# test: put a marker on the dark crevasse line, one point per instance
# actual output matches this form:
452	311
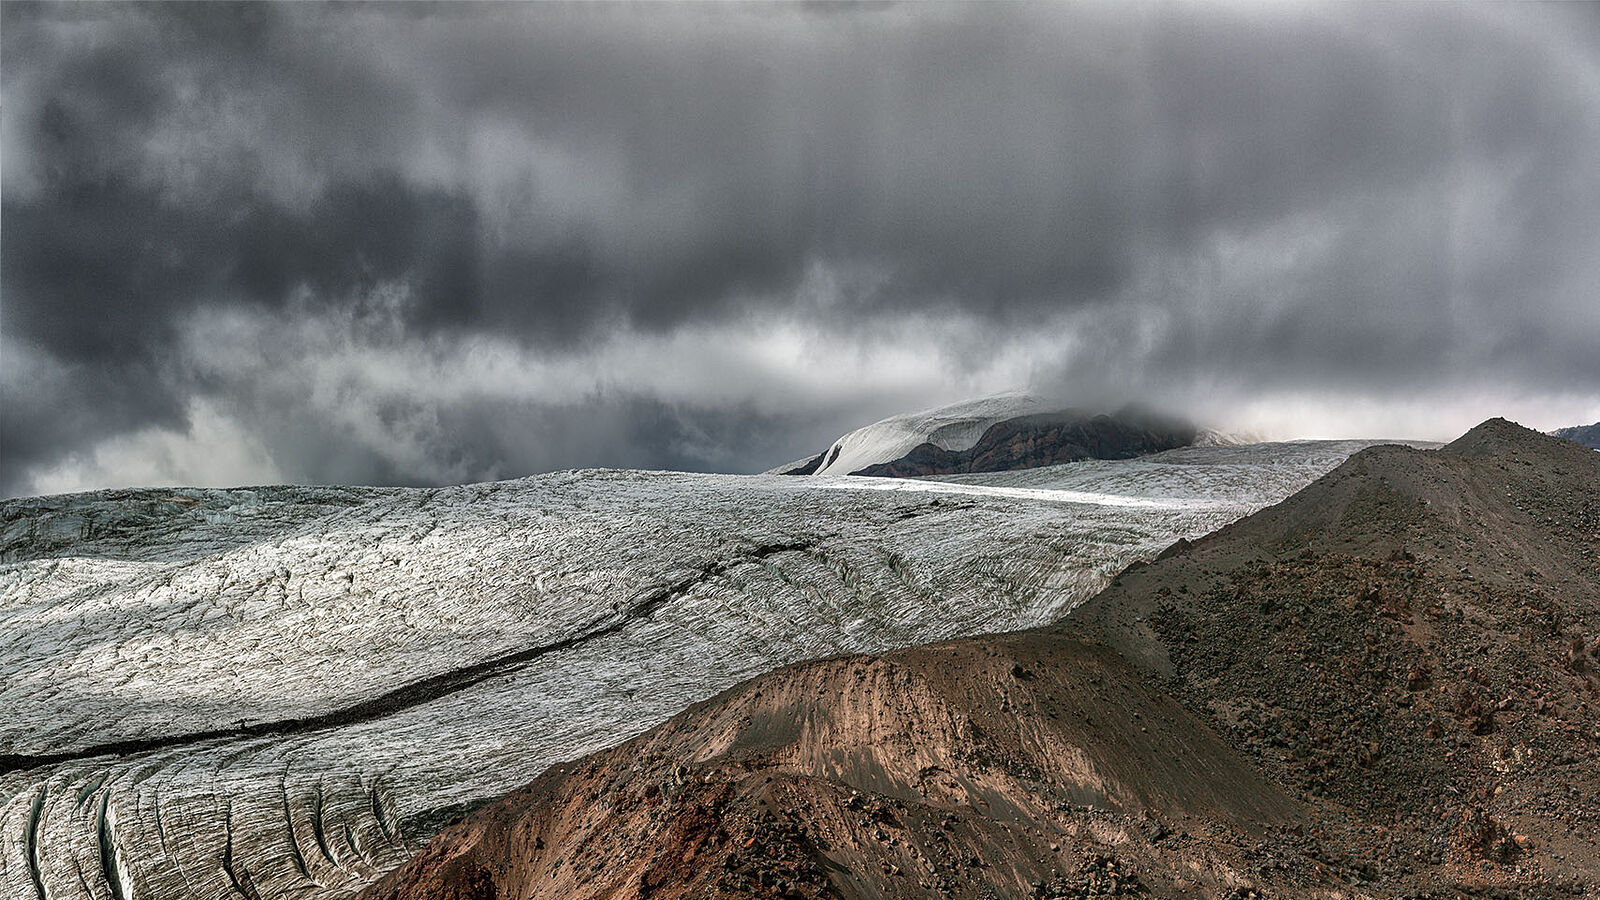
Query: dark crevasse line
83	880
90	788
32	841
355	847
317	832
408	696
295	856
108	848
380	814
161	826
240	879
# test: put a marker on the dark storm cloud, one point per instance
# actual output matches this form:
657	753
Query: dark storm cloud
1336	197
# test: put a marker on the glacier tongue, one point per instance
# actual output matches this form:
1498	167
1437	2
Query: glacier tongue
281	692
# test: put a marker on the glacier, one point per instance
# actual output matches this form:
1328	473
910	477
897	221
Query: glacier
282	692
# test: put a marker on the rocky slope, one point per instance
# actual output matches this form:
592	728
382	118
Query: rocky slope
1382	687
1408	644
1587	435
977	768
282	692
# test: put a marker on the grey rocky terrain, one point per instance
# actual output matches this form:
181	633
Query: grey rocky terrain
1587	435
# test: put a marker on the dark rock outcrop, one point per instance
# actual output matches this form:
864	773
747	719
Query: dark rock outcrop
1028	442
806	468
1587	435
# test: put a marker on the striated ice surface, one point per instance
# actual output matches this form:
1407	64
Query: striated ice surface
282	692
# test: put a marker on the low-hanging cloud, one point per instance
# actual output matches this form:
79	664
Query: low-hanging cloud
419	244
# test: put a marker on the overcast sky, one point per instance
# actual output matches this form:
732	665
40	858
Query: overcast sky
412	244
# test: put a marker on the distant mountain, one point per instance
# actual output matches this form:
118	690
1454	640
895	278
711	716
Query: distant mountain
954	427
993	434
1587	435
1028	442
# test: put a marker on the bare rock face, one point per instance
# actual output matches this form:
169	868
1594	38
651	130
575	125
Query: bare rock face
806	468
1003	433
1587	435
1384	686
1029	442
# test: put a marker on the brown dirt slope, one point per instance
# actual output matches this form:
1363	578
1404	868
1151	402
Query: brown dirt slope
1385	686
976	768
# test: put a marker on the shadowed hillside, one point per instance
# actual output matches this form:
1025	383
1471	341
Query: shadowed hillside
1587	435
1029	442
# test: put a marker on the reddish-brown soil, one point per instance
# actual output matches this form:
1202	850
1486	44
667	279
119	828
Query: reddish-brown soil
1385	686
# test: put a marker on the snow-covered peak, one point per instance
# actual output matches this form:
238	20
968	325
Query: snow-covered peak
954	427
1211	437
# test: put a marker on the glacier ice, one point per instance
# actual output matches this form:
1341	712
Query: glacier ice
281	692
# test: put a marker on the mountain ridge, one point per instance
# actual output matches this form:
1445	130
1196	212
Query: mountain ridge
1587	435
993	434
1044	439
